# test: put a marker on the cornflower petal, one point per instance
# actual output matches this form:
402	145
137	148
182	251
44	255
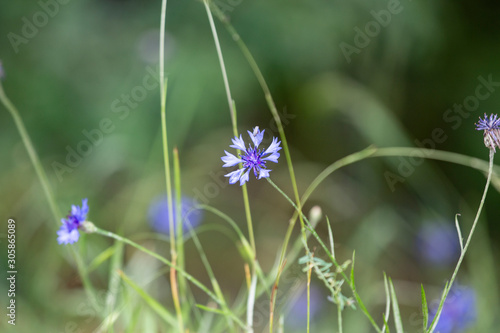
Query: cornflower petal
67	235
274	147
264	173
234	176
256	136
238	143
245	177
230	160
273	157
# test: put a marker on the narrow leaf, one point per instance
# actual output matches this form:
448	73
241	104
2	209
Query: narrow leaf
387	304
153	304
460	239
425	310
395	309
330	236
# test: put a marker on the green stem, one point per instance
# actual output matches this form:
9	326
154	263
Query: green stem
188	276
49	195
232	110
466	246
32	154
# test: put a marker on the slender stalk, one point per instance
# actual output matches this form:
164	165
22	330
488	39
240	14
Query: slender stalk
32	154
163	97
339	318
167	262
180	233
232	111
272	107
372	152
309	273
251	303
466	246
47	189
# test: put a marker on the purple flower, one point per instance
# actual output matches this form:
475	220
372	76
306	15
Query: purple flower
297	316
2	72
158	214
437	244
68	233
491	130
459	311
251	157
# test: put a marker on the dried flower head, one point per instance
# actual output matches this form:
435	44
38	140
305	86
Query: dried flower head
252	158
68	233
490	126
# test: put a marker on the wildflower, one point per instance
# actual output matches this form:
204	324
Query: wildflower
251	157
159	219
491	130
438	244
297	308
459	311
68	233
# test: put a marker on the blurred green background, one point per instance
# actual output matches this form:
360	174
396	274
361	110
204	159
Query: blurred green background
89	62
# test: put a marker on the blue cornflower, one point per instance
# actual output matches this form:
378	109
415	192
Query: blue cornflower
297	315
251	157
68	233
158	214
459	311
437	244
2	73
491	130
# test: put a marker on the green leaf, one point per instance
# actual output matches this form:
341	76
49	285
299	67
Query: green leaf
210	309
388	304
395	308
386	326
460	239
330	236
153	304
101	258
425	310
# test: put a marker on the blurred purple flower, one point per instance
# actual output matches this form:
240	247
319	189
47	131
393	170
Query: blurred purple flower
252	158
459	311
491	130
68	233
297	316
2	72
438	244
158	214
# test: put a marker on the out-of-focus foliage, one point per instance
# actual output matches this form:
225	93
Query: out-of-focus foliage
344	75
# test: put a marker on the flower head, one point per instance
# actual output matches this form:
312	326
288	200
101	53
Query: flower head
297	307
68	233
158	214
459	311
252	158
437	244
490	126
